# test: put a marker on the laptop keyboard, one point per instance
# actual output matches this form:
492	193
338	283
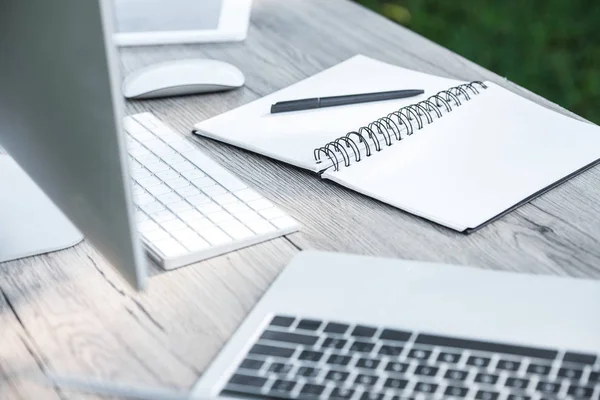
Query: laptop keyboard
296	358
188	207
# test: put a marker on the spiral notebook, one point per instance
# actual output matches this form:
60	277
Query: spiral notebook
461	155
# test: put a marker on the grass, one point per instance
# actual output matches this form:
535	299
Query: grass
551	47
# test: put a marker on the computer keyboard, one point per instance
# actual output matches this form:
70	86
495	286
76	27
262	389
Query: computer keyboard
188	207
302	358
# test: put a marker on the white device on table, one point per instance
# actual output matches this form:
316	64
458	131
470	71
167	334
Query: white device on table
330	326
61	120
150	22
183	77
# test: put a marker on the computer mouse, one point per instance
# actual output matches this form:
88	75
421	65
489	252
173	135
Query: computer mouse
183	77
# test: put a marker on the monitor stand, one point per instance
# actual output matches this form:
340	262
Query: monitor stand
30	223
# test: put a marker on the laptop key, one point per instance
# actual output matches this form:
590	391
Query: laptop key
282	321
391	334
280	368
363	331
361	347
508	365
265	350
309	355
540	369
309	324
311	389
366	379
456	391
307	372
518	397
425	387
394	366
419	354
581	392
251	364
479	361
334	343
283	386
488	379
372	396
389	350
247	380
334	327
570	373
395	383
337	359
341	393
426	370
594	377
288	337
580	358
548	387
449	357
337	376
487	395
367	363
517	383
456	375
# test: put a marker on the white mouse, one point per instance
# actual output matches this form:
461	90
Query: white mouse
177	78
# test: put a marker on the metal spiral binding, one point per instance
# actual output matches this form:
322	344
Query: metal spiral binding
388	127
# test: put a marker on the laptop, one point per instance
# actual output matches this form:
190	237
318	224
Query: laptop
332	326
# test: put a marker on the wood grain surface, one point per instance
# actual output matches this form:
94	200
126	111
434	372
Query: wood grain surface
69	313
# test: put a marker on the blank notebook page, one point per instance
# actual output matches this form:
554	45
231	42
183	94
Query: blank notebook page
291	137
477	161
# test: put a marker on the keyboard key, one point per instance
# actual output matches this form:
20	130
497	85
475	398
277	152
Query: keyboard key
518	397
198	200
272	213
547	387
163	216
148	182
487	395
337	376
341	393
251	364
389	350
248	216
419	354
231	183
190	215
179	206
367	363
247	380
334	343
449	357
212	190
260	227
366	380
168	175
395	383
195	244
174	225
247	195
158	235
157	166
363	331
594	377
309	324
372	396
338	359
488	379
288	337
424	387
581	392
361	347
478	361
540	369
185	235
236	229
260	204
307	372
507	365
273	351
391	334
215	236
219	217
226	198
309	355
570	373
434	340
140	173
158	190
398	367
518	383
456	391
147	226
282	321
334	327
187	191
280	368
456	375
209	208
169	198
426	370
580	358
311	389
282	386
203	181
177	183
193	174
236	208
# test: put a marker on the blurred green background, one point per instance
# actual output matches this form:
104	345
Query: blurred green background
551	47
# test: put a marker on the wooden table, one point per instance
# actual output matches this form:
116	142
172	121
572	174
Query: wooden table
70	313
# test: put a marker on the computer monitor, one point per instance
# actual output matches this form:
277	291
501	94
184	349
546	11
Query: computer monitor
61	116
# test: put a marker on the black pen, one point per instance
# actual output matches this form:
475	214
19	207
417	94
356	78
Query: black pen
319	102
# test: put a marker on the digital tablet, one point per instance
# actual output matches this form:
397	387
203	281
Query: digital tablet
147	22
